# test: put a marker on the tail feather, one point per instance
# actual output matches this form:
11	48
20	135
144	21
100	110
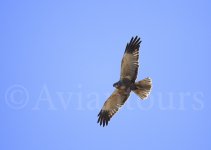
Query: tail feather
143	88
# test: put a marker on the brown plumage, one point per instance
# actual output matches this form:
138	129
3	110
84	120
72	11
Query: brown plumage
129	71
129	65
112	105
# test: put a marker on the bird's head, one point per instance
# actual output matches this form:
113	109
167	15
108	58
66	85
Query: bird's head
116	85
119	85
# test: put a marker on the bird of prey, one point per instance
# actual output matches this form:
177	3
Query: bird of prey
126	84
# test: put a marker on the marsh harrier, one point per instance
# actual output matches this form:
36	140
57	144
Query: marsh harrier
126	84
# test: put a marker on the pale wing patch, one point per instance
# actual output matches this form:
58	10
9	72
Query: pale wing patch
130	65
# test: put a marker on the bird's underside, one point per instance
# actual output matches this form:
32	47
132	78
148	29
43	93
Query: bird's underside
129	71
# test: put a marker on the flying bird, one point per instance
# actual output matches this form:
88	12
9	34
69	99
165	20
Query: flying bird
126	84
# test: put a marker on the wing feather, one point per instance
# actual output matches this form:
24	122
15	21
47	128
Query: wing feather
112	105
129	65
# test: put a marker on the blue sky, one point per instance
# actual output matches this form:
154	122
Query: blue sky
59	59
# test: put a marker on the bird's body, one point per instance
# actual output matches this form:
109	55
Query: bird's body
126	84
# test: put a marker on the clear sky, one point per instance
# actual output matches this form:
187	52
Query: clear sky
59	59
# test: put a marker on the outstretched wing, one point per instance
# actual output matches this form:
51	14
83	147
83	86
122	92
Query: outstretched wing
129	65
112	105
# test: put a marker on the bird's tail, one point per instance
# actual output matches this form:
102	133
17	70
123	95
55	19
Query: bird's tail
143	88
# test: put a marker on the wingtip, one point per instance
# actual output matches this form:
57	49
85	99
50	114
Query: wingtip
133	44
103	118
